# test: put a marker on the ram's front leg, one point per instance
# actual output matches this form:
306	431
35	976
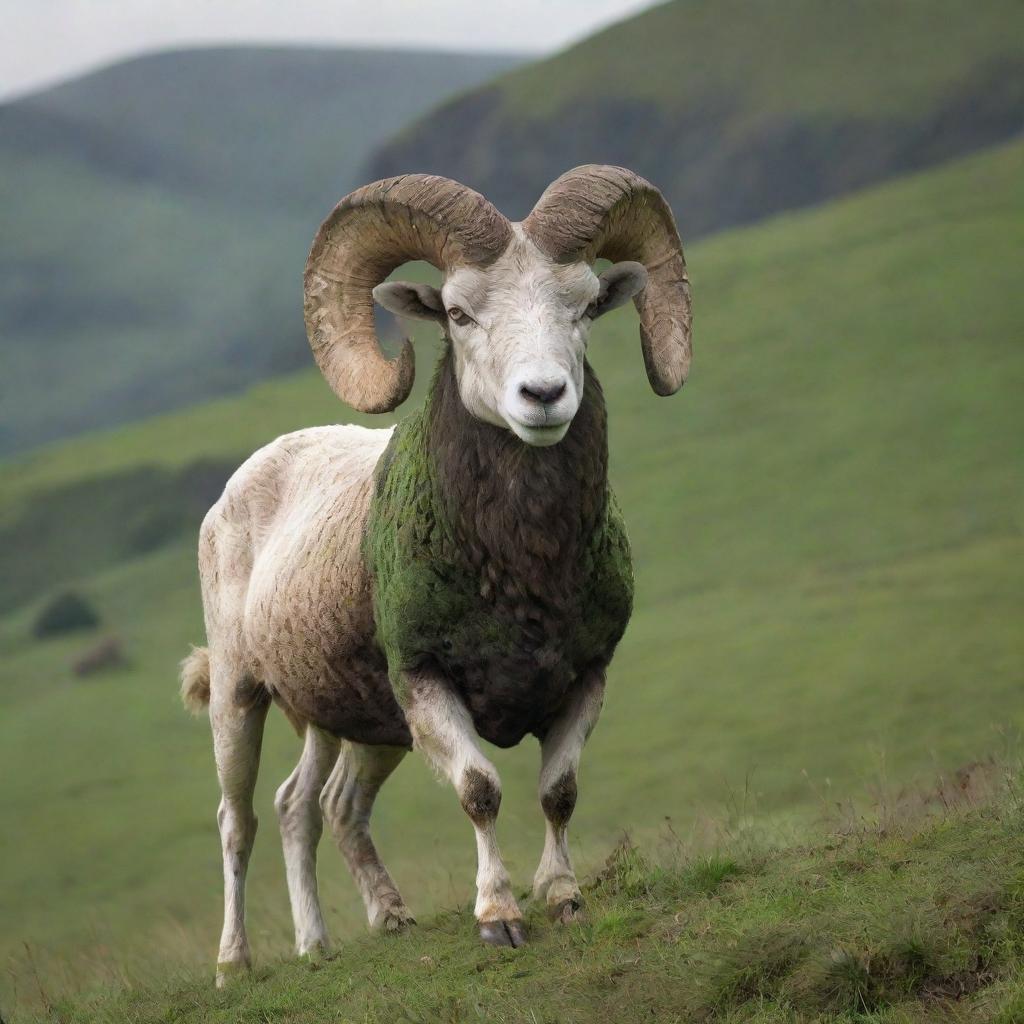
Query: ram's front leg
443	732
555	881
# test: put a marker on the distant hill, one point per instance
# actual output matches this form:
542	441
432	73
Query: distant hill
738	110
281	126
155	216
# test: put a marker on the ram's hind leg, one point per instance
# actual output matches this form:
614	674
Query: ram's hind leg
298	810
238	711
347	802
555	880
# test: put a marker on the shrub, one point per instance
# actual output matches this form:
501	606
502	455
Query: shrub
63	614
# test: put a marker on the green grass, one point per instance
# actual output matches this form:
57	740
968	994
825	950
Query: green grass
827	529
897	921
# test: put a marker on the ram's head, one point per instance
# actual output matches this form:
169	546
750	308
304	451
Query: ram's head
516	300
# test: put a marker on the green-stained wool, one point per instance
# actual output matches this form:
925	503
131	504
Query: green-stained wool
512	597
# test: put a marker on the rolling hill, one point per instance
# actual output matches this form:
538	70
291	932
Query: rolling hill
738	110
155	215
827	530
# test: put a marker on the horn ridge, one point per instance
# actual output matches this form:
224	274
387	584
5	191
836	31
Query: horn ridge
369	233
602	211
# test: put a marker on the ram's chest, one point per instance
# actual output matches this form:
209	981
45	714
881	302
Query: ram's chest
512	645
503	567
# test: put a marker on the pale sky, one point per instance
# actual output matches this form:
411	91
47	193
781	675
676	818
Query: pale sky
44	41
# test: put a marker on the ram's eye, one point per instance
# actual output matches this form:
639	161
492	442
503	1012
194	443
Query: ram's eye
459	316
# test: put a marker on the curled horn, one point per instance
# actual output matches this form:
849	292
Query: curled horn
369	233
599	211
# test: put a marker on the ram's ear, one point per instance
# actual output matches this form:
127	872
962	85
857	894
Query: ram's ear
414	301
619	283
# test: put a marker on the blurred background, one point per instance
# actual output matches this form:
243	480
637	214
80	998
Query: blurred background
827	521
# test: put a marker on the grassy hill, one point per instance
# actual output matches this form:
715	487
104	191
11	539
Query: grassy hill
903	920
738	110
154	217
827	530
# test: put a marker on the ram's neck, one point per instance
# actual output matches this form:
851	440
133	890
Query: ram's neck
520	511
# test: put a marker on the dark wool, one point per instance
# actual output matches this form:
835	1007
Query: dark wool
504	567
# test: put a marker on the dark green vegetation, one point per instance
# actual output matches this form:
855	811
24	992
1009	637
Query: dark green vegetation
827	532
155	216
893	922
66	613
736	109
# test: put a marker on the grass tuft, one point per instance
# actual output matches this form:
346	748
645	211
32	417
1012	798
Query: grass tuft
707	874
752	968
842	980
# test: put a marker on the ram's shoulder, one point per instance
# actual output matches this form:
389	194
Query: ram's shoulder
303	463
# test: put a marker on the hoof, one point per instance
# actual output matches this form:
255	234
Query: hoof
569	911
503	933
229	970
315	952
396	921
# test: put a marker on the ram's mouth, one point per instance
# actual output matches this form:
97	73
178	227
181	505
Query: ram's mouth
540	436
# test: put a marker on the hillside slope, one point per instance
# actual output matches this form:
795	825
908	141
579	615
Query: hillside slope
739	110
891	922
827	531
155	215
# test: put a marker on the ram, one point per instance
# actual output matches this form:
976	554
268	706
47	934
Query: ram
464	574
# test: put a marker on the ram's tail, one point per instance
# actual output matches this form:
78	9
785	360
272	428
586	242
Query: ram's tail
195	681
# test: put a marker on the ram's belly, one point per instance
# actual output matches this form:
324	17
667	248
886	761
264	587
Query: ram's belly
344	690
351	698
314	648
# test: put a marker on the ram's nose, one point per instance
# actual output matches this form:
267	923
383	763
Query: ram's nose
542	392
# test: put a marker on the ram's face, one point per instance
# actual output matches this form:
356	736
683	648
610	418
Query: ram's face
519	331
519	334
